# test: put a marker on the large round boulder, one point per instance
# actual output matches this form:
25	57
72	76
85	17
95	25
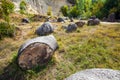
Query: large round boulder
71	27
44	29
96	74
37	51
93	22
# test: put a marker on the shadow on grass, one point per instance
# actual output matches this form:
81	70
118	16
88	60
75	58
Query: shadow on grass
14	72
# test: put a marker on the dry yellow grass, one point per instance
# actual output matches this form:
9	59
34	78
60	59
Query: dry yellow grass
76	51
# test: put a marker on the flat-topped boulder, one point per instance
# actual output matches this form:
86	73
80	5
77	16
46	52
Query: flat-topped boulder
96	74
36	51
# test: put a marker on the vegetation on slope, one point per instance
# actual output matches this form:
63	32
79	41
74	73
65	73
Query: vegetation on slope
87	8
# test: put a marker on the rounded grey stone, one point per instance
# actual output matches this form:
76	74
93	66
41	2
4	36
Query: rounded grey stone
96	74
45	29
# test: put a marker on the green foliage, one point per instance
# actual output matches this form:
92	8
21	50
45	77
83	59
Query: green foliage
23	7
64	10
6	30
6	8
87	8
74	12
49	12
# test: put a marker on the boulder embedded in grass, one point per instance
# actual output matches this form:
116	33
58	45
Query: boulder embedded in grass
25	20
44	29
93	22
37	51
80	23
96	74
60	20
71	27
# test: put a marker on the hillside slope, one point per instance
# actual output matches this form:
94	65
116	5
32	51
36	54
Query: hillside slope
41	6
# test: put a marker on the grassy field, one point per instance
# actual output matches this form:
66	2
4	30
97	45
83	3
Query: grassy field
88	47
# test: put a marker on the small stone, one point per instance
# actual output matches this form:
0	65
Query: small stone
25	20
80	24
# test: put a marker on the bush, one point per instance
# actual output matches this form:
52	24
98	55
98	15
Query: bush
23	7
7	7
6	30
74	12
49	12
64	10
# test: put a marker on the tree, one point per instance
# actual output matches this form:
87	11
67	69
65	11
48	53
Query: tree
64	10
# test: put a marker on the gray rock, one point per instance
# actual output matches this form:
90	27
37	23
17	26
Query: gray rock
60	20
96	74
37	51
71	19
25	20
71	27
80	23
45	29
93	22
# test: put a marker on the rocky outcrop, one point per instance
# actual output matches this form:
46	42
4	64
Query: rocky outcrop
96	74
41	6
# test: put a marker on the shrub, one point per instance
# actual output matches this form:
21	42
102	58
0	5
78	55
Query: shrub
23	7
64	10
6	30
74	12
7	7
49	12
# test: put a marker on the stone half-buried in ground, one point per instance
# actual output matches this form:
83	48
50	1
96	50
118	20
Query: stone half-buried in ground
45	29
37	51
96	74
